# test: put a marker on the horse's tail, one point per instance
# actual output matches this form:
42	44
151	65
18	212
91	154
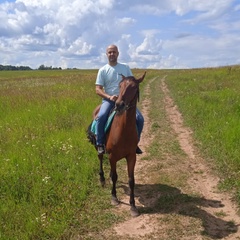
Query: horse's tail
91	136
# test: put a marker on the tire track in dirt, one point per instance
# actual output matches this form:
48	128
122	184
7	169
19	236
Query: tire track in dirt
144	224
201	181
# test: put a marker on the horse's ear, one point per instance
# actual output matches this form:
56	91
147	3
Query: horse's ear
141	78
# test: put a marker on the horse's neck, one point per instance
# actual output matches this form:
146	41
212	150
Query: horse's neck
126	119
123	128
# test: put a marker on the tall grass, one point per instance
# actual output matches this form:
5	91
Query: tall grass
49	171
46	168
210	102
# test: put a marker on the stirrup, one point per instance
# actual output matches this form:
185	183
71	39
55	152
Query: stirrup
101	149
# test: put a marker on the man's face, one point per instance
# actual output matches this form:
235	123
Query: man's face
112	54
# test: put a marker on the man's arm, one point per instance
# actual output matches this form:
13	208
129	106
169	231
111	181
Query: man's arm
100	92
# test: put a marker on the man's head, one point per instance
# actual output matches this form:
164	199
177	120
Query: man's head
112	54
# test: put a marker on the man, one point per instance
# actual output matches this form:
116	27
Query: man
107	87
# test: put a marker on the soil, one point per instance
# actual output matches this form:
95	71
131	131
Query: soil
214	216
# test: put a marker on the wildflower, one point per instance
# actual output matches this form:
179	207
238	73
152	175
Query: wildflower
45	179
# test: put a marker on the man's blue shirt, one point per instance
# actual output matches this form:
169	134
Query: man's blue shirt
110	76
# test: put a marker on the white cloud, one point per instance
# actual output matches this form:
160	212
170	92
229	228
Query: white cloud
126	21
79	48
205	7
73	33
150	45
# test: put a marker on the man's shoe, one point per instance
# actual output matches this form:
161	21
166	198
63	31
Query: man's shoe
101	149
138	150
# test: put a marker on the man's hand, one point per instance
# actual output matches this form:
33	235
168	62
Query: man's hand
113	98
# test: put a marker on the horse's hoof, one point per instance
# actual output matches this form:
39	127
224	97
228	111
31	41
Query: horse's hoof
115	201
134	212
103	183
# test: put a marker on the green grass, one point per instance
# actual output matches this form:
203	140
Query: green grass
210	102
49	171
47	165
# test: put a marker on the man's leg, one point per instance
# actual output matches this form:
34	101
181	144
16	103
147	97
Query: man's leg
140	123
101	122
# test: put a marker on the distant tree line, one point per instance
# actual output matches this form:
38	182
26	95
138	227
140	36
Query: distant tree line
42	67
26	68
13	68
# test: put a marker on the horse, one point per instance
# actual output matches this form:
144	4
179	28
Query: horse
122	138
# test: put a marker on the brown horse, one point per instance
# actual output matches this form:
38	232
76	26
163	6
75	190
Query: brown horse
122	138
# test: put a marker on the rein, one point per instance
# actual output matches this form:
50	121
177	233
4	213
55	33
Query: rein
127	106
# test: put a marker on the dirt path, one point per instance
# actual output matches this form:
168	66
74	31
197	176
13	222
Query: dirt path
200	210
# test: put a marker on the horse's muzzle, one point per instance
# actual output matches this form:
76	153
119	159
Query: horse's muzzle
120	106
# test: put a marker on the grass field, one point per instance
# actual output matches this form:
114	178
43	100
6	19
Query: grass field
49	172
210	102
47	165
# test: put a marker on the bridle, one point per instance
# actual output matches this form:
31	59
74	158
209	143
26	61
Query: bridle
125	107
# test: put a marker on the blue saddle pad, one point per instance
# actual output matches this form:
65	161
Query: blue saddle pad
108	124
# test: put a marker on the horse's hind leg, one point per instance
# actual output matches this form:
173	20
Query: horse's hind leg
114	177
101	172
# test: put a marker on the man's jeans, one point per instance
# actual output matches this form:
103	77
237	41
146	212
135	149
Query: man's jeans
102	117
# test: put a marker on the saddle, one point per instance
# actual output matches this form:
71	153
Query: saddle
91	131
107	126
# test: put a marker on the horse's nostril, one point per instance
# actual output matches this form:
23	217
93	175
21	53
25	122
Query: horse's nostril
120	106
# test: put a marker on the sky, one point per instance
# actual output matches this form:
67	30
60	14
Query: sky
159	34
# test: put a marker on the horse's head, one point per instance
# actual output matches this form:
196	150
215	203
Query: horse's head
129	93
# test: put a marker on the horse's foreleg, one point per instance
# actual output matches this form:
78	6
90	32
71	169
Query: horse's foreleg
131	182
101	172
114	177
